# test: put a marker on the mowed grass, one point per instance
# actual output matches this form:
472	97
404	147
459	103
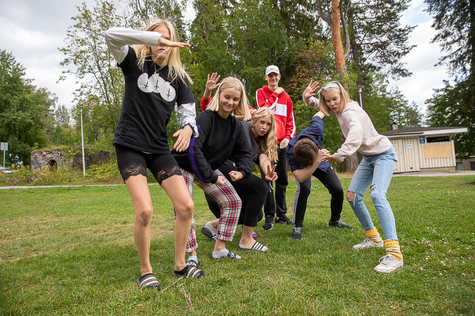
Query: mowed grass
70	251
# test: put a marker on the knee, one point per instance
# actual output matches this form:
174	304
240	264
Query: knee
261	188
230	201
377	195
144	216
339	192
304	190
185	209
282	180
350	196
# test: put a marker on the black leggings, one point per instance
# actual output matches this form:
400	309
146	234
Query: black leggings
278	206
252	192
330	180
132	162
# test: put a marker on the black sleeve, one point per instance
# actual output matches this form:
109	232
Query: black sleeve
242	152
195	154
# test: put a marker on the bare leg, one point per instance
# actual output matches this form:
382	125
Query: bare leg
214	223
219	245
246	238
140	194
176	189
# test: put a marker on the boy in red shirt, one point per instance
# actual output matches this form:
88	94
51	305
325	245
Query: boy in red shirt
274	97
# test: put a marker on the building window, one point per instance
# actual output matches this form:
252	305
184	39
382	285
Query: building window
438	139
472	165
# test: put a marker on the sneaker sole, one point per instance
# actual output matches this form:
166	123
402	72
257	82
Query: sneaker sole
368	247
388	272
208	234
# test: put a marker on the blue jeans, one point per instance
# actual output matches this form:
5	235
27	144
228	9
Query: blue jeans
377	171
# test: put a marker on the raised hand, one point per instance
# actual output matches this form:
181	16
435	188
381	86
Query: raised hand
311	89
212	82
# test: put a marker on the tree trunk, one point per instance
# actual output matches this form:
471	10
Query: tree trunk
336	38
352	162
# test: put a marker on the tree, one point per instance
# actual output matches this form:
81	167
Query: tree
386	106
316	62
450	106
377	37
455	22
145	11
240	38
24	111
332	17
101	81
63	132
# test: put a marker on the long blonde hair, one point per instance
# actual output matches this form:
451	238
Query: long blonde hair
242	108
268	142
175	67
344	97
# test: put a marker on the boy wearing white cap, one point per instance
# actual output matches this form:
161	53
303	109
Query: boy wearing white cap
274	97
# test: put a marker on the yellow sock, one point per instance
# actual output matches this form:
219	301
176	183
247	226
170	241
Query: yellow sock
392	248
373	235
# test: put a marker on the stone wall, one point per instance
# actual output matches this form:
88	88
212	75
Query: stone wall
56	159
53	159
91	159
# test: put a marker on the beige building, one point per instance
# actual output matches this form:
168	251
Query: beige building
424	148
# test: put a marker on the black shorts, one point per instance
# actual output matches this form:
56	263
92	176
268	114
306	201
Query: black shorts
132	162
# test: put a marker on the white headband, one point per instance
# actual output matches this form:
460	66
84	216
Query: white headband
328	86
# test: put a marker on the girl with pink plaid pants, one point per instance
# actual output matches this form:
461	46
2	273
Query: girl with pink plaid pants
221	137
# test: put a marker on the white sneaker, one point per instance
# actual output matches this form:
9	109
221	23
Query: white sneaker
368	243
389	264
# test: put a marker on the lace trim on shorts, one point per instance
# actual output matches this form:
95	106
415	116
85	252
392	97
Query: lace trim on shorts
133	170
167	172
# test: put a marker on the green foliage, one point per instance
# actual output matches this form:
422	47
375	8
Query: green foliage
316	63
453	106
71	251
101	81
145	11
232	38
378	41
240	40
24	111
103	173
455	22
385	107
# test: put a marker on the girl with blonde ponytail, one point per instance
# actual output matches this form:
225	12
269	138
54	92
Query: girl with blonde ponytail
155	82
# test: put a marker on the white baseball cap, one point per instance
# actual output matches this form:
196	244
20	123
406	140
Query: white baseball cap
271	69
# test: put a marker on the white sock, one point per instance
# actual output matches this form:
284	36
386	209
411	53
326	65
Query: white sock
195	258
220	254
211	228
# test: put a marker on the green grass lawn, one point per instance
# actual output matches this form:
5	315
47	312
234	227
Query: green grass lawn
70	251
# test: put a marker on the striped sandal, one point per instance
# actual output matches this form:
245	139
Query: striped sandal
148	281
189	271
257	246
191	262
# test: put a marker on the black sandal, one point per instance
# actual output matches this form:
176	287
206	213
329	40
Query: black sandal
189	271
194	263
148	281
